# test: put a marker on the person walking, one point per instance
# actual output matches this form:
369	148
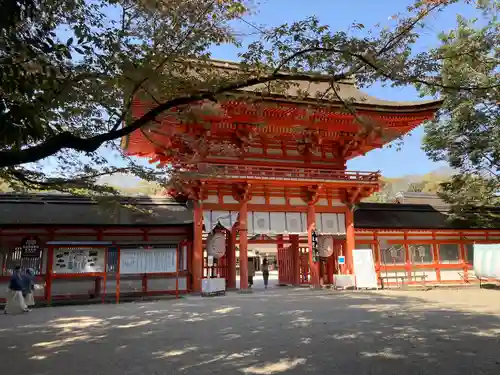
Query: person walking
29	287
265	272
251	271
15	300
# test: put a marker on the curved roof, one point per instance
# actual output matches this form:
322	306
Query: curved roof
347	91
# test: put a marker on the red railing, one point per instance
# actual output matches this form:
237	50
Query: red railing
215	171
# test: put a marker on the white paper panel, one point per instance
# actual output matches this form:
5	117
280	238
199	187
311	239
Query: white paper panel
207	221
295	224
303	217
226	218
278	222
329	223
250	223
341	223
139	261
261	224
318	225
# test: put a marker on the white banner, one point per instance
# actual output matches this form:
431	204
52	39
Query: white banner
487	261
364	268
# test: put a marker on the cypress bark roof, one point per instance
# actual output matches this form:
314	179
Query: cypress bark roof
61	209
406	216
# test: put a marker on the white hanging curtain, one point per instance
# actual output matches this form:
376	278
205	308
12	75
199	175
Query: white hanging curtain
271	223
226	218
327	223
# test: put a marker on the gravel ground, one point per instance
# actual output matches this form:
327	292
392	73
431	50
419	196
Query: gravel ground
284	331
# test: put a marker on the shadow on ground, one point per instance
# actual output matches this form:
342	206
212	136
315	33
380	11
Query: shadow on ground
280	332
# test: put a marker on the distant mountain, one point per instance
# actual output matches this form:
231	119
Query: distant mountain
429	183
120	180
426	183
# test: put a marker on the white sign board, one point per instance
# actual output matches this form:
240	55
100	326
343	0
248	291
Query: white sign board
78	260
215	285
156	260
343	281
487	261
364	268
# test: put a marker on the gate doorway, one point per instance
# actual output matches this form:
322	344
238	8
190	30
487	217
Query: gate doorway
304	268
286	266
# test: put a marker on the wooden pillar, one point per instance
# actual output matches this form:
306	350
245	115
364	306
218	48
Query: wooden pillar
463	258
49	275
231	258
118	274
330	268
349	240
280	243
243	244
311	222
294	239
408	256
377	255
197	260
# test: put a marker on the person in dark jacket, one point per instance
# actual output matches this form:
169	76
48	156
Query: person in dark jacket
265	272
29	287
15	300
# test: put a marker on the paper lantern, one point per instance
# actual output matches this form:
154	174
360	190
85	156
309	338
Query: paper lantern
325	246
216	244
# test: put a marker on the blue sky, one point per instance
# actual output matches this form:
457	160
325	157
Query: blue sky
339	15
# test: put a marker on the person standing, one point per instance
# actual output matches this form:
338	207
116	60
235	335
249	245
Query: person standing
15	300
265	272
29	285
251	271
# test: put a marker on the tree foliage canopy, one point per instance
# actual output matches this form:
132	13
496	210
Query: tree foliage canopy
70	68
466	132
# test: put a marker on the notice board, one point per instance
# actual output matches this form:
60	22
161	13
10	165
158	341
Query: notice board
140	261
364	268
78	260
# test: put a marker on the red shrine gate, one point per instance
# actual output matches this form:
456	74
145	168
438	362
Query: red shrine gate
287	176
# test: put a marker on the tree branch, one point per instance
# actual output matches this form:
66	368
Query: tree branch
67	140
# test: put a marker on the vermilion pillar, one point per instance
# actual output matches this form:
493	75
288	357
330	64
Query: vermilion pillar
311	222
330	268
231	259
349	241
197	260
294	239
243	244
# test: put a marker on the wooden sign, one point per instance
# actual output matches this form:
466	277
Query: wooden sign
31	247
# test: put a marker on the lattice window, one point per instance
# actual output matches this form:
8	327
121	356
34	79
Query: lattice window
421	253
449	253
393	254
12	259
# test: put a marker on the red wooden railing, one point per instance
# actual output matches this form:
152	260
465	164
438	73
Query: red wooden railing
282	172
